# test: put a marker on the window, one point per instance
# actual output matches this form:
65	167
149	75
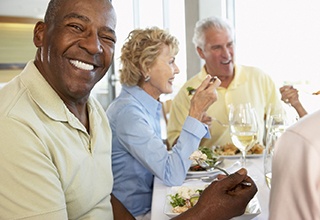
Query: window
165	14
282	38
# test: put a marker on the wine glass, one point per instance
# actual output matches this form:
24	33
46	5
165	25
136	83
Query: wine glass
277	125
243	128
281	113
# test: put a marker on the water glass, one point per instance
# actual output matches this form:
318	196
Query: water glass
277	126
268	154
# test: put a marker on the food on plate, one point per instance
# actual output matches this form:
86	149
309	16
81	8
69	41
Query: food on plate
316	93
184	198
196	167
227	149
230	149
256	149
207	151
203	153
198	155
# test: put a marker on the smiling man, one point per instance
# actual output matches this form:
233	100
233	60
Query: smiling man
214	42
55	140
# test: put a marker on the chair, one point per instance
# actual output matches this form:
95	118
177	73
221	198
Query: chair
166	105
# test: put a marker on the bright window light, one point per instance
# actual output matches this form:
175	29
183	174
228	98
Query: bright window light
282	38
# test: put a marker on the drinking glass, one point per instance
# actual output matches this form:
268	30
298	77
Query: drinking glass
267	158
243	128
282	113
277	125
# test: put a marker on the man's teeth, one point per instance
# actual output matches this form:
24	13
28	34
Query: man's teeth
81	65
226	62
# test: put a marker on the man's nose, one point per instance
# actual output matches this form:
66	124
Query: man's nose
92	44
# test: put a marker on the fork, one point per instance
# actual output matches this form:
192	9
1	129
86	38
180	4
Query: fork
219	122
206	166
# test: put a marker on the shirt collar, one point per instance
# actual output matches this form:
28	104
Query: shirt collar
239	77
147	101
46	98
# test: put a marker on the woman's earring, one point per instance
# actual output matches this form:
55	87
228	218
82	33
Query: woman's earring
147	78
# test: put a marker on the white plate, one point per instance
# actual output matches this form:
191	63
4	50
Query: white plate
239	155
253	208
226	164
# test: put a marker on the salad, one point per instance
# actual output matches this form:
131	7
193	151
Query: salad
184	198
203	153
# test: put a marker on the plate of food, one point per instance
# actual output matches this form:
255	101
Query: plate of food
181	198
225	164
207	155
229	150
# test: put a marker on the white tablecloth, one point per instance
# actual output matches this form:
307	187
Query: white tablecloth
255	168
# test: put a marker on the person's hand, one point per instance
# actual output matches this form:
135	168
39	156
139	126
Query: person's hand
227	197
290	96
206	119
204	96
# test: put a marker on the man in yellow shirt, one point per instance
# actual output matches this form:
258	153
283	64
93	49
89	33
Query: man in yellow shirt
214	41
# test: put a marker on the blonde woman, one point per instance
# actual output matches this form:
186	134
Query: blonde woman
138	152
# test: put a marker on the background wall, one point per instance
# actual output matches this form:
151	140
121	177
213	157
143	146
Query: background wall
16	48
195	10
16	42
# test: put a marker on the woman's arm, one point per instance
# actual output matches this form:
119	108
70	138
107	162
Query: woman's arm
290	96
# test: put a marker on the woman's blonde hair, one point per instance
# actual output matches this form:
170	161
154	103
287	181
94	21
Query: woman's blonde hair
140	51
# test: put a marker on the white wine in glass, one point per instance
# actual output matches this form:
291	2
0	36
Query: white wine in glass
243	128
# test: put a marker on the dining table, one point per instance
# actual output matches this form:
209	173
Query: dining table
255	167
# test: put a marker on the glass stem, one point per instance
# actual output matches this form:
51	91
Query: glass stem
243	158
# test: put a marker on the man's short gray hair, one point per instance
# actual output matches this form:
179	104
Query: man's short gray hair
207	23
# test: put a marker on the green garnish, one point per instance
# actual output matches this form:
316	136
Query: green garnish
207	151
194	200
191	90
176	200
211	156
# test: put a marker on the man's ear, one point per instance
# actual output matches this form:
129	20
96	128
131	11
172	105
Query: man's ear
38	33
200	52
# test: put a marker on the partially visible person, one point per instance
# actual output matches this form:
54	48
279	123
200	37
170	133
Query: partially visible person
55	140
290	95
138	152
214	42
295	191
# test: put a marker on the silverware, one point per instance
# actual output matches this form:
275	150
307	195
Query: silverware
192	91
219	122
208	167
208	179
